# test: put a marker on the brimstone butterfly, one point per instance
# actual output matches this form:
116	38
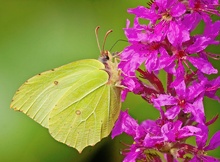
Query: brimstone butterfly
78	102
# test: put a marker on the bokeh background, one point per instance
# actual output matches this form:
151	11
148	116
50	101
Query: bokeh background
38	35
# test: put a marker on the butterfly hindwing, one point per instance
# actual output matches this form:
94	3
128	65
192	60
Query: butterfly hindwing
88	118
79	125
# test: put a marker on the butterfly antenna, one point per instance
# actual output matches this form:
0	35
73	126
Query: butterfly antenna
106	35
122	40
97	39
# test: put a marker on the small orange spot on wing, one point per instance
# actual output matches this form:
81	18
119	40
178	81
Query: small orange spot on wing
78	112
56	82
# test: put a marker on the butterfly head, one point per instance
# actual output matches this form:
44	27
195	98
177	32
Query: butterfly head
111	67
105	57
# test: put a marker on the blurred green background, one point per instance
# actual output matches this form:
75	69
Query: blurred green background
38	35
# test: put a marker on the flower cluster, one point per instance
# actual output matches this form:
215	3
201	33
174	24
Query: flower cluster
167	43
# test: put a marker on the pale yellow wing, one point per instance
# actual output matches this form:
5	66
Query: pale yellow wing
83	122
39	95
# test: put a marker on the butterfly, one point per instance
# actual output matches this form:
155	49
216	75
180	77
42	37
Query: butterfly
78	102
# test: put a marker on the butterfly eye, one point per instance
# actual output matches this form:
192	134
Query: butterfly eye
104	58
107	57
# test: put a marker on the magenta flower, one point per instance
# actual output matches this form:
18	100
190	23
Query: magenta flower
168	13
200	151
125	124
187	99
211	86
156	53
152	135
167	43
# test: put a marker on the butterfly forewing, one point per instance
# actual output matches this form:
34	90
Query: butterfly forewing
39	95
